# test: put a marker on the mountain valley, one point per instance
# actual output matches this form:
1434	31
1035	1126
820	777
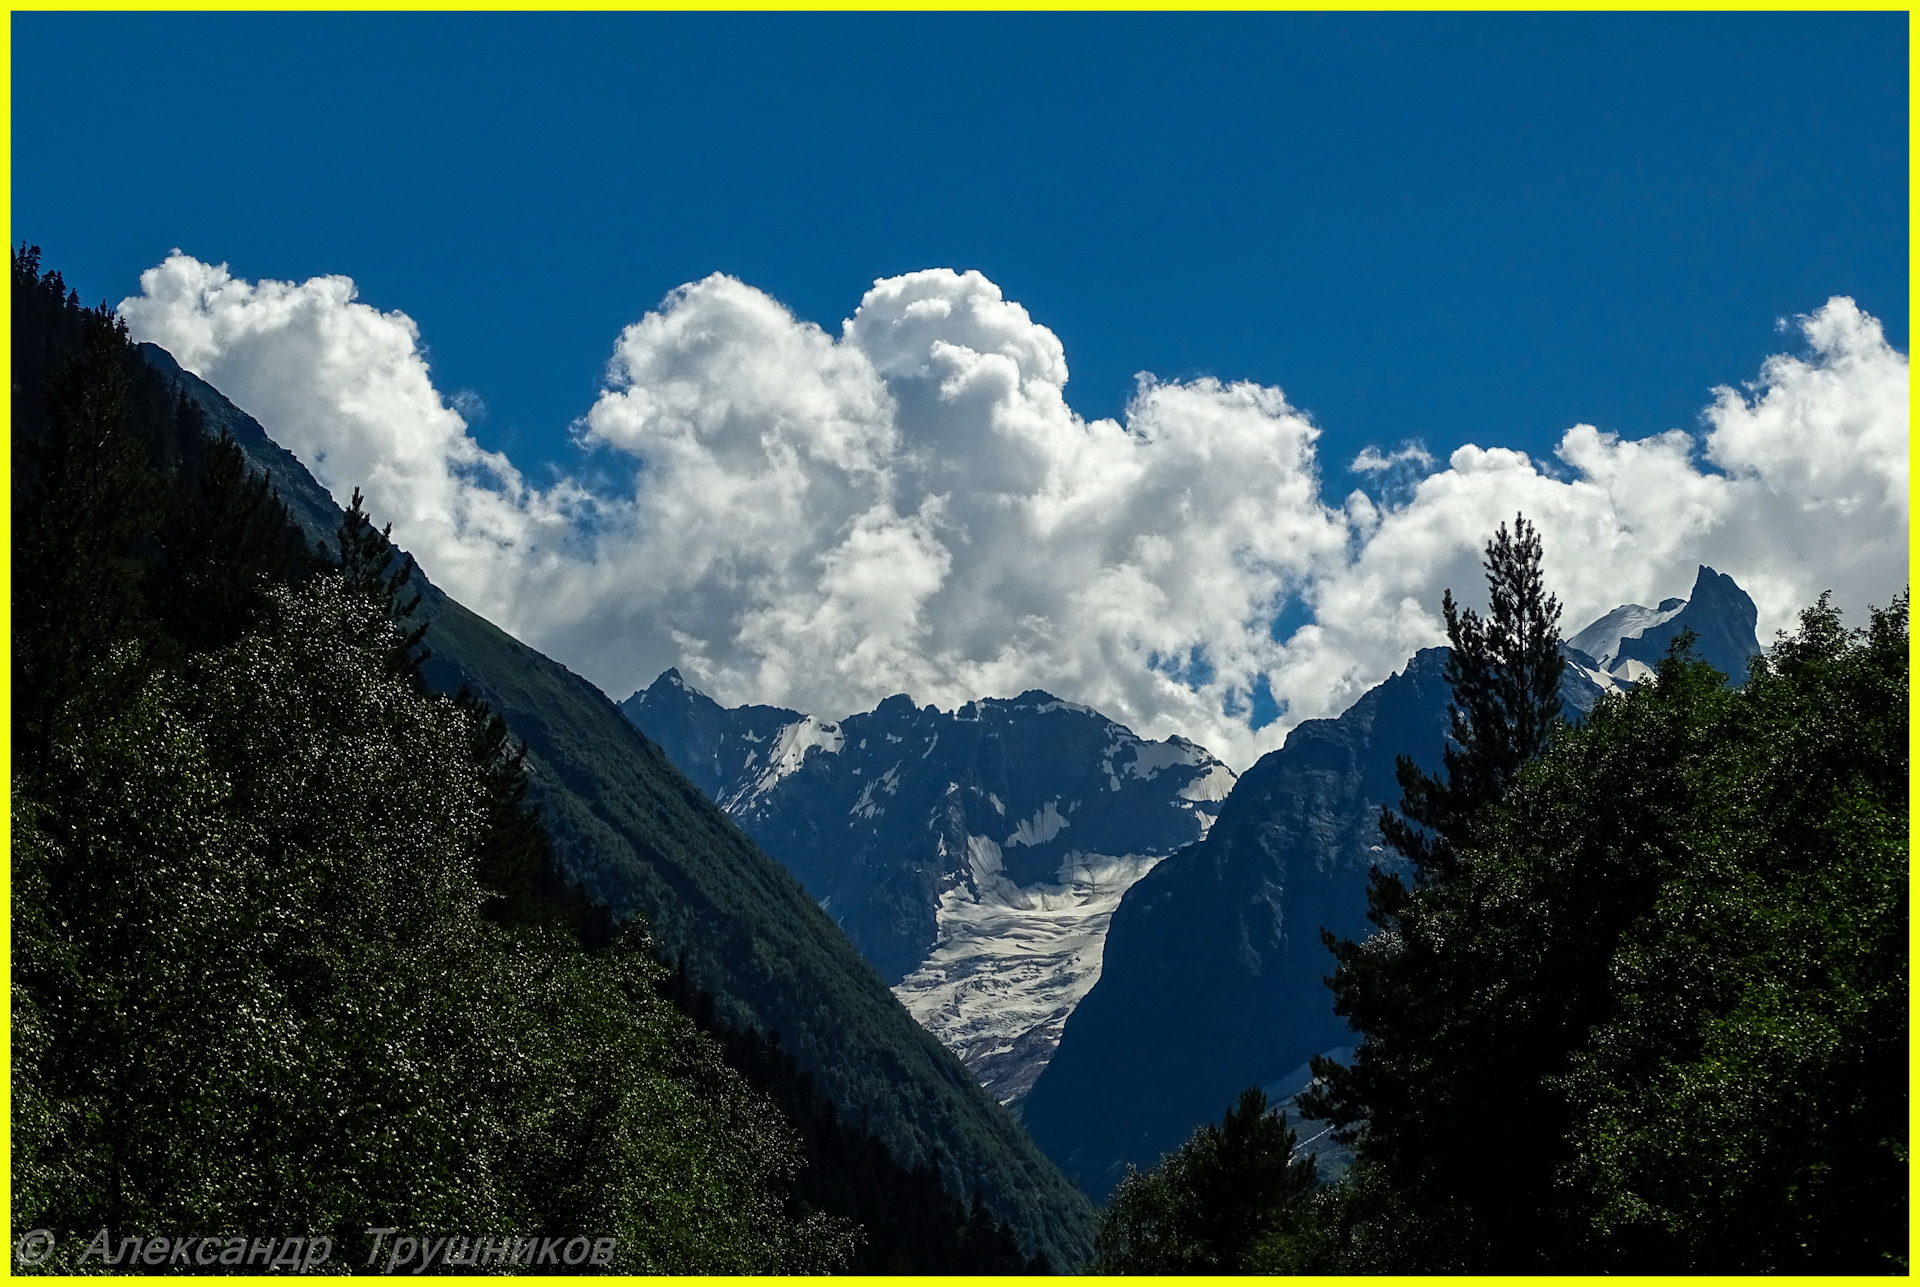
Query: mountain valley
636	836
975	856
1110	934
1114	935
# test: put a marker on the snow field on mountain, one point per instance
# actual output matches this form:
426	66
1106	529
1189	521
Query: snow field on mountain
1011	962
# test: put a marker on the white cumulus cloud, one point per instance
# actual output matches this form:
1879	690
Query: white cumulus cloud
911	505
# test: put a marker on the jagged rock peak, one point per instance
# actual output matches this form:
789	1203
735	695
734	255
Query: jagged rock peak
1626	645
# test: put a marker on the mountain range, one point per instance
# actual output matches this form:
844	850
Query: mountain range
1108	944
975	856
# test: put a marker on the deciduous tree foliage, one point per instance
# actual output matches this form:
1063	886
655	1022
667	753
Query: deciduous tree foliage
259	982
1740	1104
1651	1017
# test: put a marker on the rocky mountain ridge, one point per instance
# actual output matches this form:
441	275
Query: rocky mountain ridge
974	856
1626	645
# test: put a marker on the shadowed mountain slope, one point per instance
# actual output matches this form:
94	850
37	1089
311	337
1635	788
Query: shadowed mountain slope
1214	961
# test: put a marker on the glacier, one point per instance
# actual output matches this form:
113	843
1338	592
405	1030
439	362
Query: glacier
1011	961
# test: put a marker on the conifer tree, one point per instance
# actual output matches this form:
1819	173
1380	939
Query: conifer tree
225	537
83	496
372	567
1431	1070
1224	1202
1505	675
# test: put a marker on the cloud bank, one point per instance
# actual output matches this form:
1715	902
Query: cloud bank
820	521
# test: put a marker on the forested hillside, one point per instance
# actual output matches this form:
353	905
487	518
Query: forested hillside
281	960
262	871
641	838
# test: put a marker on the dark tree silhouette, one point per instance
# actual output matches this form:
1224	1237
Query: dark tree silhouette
1225	1202
1424	1080
1505	675
373	567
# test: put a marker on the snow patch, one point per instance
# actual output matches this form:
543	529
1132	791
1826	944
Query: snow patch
1075	707
1213	785
866	806
1601	640
1040	828
1635	671
1117	738
1605	682
1149	758
789	751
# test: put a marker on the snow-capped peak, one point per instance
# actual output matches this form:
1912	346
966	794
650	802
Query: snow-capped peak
1601	640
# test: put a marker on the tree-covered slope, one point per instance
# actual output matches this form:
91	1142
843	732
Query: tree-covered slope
635	833
276	965
1671	958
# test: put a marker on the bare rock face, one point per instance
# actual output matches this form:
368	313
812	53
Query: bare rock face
975	856
1214	970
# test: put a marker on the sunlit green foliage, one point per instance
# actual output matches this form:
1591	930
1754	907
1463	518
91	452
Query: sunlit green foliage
256	989
1656	1019
259	984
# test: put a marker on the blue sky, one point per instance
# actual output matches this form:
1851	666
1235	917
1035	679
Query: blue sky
1424	228
1447	227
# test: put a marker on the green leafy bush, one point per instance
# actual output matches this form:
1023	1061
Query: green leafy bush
254	989
1654	1018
